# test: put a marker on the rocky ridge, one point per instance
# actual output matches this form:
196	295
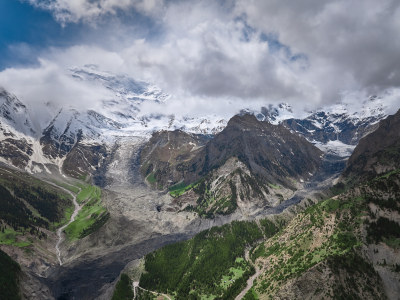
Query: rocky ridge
248	163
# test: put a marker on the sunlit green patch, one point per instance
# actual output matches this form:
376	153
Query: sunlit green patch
11	237
91	216
179	189
88	192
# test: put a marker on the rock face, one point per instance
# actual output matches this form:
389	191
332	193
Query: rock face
344	122
339	122
229	188
85	160
66	134
268	151
16	151
345	247
324	127
164	159
249	163
377	153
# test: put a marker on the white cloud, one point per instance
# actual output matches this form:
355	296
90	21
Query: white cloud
213	57
66	11
206	54
351	45
48	87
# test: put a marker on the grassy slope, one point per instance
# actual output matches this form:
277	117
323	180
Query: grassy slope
70	187
179	189
28	204
92	215
88	192
9	236
328	237
328	229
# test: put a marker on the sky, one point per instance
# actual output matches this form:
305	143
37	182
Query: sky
210	56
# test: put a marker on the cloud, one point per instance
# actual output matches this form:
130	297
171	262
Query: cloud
216	55
48	88
351	44
226	55
66	11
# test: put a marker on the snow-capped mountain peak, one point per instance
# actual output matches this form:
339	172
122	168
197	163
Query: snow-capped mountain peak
275	113
15	115
122	86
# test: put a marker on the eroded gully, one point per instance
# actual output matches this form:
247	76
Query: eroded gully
60	230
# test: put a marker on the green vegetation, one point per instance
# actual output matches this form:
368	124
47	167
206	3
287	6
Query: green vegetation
392	242
388	174
251	295
221	199
88	192
270	228
338	188
274	186
359	276
322	231
179	189
210	203
210	265
123	289
389	204
389	155
151	178
379	228
83	177
9	236
9	278
67	216
27	205
145	295
383	230
326	235
70	187
234	273
92	215
328	232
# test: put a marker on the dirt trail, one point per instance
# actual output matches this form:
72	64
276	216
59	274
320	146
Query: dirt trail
135	285
250	281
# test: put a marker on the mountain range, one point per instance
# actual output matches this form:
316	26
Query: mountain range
270	203
38	144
